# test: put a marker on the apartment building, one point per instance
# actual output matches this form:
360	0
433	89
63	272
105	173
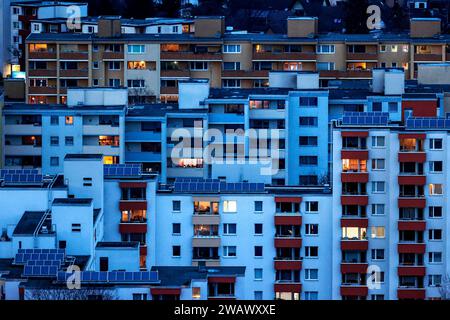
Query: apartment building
40	136
152	65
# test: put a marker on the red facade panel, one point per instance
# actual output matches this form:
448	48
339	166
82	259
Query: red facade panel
419	157
354	291
361	245
132	205
412	136
165	291
361	134
411	203
416	294
288	243
288	287
133	228
362	154
355	200
355	177
412	225
412	180
411	248
133	184
288	265
420	108
349	222
288	199
354	267
412	271
221	279
288	220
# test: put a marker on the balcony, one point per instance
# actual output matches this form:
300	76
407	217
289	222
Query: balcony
220	118
412	247
356	222
284	56
79	73
132	227
288	242
175	74
23	150
190	56
354	290
42	90
287	287
111	56
169	90
244	74
417	180
411	202
411	293
287	264
22	129
126	205
419	157
412	225
359	200
42	55
347	267
356	245
142	156
362	56
288	220
74	56
101	130
351	74
42	73
427	57
105	150
142	136
359	154
360	177
205	241
411	270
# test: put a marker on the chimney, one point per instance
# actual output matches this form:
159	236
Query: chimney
283	79
209	27
425	27
302	27
109	26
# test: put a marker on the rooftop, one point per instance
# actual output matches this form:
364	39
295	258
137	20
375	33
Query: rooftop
73	156
29	223
118	244
72	202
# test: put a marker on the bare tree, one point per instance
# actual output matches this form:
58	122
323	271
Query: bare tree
444	288
138	95
74	294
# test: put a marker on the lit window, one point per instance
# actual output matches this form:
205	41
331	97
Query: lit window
69	120
137	65
394	48
436	189
377	232
229	206
196	293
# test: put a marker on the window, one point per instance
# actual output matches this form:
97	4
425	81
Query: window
308	180
114	83
176	205
378	164
69	120
405	48
308	141
311	295
311	274
326	48
378	187
232	48
383	48
54	141
68	141
377	107
258	228
378	209
95	65
231	66
436	166
325	66
258	251
258	206
377	297
95	48
377	254
311	251
436	189
229	206
176	251
136	83
139	296
308	101
196	293
54	120
435	144
258	273
311	229
377	232
308	160
176	228
435	234
308	121
377	277
76	227
258	295
311	206
103	263
199	65
393	107
435	212
229	228
435	257
95	82
54	161
114	65
231	83
229	251
136	48
434	280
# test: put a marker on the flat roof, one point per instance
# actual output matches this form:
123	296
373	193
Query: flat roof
118	244
29	223
72	201
87	156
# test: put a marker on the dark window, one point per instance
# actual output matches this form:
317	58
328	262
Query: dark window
258	251
103	263
176	251
176	228
258	228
